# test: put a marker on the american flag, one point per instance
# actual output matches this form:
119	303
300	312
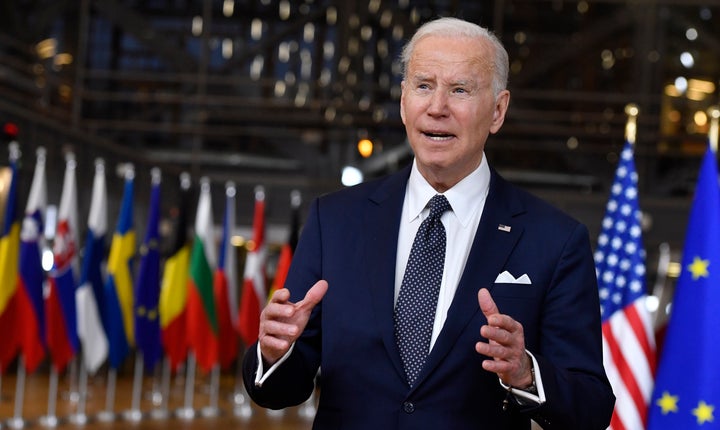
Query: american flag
628	337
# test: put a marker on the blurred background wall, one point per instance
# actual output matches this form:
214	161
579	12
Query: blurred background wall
278	93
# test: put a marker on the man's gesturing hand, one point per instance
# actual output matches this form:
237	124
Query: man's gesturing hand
506	345
282	322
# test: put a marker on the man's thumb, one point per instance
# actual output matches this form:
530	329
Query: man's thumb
487	304
315	294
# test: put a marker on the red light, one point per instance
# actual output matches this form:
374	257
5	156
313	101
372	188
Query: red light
11	129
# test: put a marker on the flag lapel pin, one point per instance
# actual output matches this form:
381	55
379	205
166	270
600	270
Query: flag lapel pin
505	228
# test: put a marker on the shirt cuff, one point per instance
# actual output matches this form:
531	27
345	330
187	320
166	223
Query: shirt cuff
260	374
526	397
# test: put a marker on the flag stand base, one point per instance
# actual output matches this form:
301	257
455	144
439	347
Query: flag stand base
132	415
159	414
106	416
79	419
186	413
47	421
16	423
210	412
242	411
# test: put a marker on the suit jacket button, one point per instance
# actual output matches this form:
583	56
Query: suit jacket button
409	407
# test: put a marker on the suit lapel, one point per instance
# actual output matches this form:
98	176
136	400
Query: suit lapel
490	249
382	222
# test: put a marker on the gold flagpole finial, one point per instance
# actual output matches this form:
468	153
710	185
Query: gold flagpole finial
714	114
632	112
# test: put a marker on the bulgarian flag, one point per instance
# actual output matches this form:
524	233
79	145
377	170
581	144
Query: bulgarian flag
254	293
174	286
202	329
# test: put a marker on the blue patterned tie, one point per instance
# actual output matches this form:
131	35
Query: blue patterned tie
417	301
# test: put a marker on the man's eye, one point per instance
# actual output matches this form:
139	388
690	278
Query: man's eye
460	90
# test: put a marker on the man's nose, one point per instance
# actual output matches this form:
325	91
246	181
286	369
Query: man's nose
438	103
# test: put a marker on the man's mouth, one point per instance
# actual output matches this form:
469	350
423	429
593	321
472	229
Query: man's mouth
438	135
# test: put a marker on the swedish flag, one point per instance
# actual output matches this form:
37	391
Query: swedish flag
119	286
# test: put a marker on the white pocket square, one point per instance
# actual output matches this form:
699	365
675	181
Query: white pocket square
507	278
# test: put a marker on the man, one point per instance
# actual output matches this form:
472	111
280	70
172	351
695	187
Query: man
515	331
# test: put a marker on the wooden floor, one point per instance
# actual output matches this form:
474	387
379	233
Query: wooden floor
231	411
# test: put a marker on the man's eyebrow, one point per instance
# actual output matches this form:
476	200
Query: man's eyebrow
466	83
420	77
461	82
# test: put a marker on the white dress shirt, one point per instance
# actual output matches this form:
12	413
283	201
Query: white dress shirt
467	199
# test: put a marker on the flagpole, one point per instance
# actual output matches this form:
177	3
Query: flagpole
187	412
212	409
714	114
134	413
162	412
17	421
632	112
242	407
74	394
80	418
50	420
108	415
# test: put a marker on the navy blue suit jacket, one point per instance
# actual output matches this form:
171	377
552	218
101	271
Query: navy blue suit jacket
350	240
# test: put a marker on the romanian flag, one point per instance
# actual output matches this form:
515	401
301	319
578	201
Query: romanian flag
31	314
288	248
147	294
119	287
226	283
174	288
202	329
254	293
9	253
90	292
61	321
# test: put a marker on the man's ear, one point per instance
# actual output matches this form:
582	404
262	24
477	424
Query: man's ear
502	101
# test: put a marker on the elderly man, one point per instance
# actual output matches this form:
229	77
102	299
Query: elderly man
441	296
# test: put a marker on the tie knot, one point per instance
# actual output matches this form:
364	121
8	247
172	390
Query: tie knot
438	205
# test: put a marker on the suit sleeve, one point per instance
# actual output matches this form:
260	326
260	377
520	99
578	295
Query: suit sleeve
578	393
294	380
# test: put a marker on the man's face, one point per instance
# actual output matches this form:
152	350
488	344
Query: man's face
448	106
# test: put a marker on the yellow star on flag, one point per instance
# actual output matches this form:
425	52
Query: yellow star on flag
703	412
698	268
667	403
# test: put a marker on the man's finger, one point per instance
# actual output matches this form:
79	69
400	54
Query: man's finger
281	295
487	304
314	295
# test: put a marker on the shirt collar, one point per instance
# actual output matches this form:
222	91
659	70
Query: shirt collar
466	197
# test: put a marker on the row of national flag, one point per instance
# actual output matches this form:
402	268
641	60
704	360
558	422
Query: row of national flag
681	390
99	303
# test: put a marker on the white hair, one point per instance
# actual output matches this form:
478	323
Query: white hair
454	27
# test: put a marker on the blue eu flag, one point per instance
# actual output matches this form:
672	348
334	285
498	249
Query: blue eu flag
147	285
687	386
